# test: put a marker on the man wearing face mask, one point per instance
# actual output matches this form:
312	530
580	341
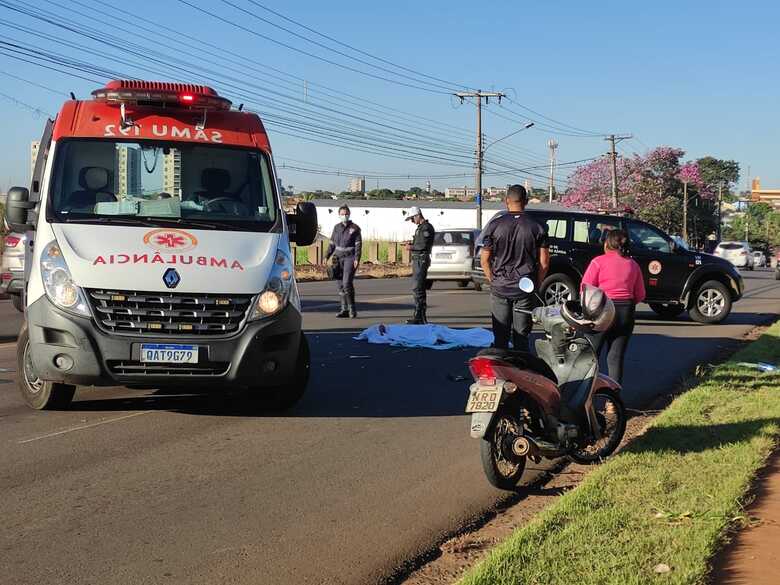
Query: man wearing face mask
346	244
420	247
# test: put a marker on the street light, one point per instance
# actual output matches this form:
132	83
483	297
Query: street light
479	167
526	127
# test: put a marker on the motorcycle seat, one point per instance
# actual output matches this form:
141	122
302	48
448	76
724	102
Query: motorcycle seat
521	359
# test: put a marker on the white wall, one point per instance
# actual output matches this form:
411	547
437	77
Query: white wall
387	223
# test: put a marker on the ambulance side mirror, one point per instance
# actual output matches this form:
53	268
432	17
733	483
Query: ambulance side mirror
303	224
17	210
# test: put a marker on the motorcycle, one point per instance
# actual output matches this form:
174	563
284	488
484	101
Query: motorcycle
552	404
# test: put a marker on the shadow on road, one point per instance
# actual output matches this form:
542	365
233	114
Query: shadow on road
365	306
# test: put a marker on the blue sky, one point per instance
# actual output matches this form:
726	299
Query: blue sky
701	76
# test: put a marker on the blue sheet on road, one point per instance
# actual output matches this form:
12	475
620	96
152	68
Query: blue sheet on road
430	336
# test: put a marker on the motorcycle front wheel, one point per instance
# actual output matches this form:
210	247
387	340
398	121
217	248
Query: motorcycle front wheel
502	468
611	414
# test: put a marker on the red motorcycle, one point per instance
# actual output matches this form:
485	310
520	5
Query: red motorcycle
554	405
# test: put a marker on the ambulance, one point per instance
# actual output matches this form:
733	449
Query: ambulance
158	252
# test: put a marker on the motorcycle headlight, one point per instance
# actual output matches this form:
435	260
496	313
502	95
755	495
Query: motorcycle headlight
279	291
58	284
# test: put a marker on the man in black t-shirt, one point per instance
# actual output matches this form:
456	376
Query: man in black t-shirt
514	246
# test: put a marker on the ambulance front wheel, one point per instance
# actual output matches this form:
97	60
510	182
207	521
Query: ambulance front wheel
36	393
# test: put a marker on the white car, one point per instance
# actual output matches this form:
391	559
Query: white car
452	256
738	253
12	268
759	259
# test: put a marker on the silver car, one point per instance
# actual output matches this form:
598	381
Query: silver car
759	259
12	268
738	253
452	256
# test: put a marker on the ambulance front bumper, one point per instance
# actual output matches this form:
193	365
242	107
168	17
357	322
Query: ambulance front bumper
71	349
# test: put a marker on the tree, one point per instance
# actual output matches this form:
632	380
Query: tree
762	223
652	186
715	171
384	194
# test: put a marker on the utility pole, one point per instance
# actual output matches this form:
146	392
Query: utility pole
479	95
685	213
553	146
613	140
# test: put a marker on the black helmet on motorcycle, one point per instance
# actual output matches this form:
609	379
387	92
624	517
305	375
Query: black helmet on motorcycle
593	312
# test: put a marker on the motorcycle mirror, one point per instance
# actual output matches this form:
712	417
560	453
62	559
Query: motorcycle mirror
526	285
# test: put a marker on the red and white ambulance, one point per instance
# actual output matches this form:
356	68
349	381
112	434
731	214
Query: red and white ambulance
158	250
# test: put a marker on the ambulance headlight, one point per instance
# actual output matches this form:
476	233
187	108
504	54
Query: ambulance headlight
280	290
58	283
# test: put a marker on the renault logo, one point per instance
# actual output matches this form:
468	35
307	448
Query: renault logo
171	278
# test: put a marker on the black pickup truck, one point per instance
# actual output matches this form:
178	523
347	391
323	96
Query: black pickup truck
676	278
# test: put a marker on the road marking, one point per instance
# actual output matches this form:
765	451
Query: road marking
81	428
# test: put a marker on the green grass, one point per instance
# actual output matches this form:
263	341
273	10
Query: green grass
668	498
302	253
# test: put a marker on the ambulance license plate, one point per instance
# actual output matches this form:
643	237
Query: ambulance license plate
484	399
169	353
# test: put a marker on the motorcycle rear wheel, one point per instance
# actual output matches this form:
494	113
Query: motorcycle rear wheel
502	470
611	414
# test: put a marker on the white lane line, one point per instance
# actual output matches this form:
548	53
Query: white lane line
82	427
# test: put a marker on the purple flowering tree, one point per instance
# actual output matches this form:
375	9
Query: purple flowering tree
649	184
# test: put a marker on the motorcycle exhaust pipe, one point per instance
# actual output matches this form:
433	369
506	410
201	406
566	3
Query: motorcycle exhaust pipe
521	446
536	447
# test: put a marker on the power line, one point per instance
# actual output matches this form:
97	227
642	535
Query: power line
326	47
343	44
38	111
307	53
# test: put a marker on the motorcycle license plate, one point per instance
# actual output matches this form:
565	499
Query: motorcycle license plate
484	399
169	353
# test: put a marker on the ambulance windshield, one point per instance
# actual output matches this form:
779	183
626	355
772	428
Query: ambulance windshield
199	185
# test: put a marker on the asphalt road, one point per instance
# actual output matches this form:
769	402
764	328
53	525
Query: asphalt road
373	467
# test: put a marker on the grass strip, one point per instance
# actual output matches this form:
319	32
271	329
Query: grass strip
667	499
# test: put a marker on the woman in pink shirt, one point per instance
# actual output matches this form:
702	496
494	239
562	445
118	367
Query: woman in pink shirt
621	280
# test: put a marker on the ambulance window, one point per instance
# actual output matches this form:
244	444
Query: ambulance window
162	180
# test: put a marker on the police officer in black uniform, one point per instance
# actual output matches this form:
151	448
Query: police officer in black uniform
346	244
420	247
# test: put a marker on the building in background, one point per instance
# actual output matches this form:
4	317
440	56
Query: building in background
460	193
128	171
172	172
357	185
34	146
759	195
470	192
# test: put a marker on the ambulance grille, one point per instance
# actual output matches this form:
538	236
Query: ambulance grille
127	368
168	314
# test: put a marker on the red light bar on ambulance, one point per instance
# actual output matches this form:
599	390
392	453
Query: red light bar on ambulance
152	93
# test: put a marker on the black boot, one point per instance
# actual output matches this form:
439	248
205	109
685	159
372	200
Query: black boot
351	305
344	313
418	318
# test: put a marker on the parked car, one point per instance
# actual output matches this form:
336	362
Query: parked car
738	253
452	256
12	268
677	279
759	259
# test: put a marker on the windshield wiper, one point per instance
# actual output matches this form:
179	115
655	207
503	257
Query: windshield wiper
115	219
